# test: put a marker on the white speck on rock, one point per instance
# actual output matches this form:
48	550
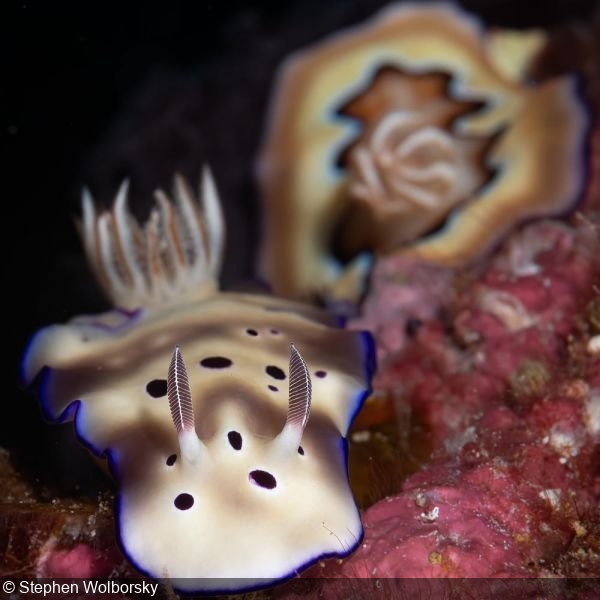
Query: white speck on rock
592	413
507	308
564	442
593	345
431	516
552	496
455	444
361	436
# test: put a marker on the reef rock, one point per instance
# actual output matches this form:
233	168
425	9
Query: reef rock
502	367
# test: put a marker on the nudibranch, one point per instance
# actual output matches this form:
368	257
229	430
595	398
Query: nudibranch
222	415
416	132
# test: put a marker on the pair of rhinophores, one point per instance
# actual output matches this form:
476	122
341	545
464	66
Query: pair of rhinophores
224	482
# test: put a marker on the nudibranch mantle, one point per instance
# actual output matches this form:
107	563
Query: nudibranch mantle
239	495
464	160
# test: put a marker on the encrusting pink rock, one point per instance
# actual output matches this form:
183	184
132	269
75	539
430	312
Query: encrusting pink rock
505	333
503	380
404	292
503	506
81	561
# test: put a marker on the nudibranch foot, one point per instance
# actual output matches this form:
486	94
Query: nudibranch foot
224	482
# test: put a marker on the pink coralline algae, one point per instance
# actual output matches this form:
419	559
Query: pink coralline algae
499	367
80	561
503	333
61	539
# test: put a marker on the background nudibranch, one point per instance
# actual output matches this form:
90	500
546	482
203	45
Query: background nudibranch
231	466
415	131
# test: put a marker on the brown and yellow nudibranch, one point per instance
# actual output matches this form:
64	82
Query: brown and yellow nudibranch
231	466
415	132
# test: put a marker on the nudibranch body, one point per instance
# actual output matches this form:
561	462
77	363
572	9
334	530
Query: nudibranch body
416	132
231	466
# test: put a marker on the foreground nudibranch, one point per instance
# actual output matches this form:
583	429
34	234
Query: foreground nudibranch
415	132
223	416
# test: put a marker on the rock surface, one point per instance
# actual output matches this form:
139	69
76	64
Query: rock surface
505	375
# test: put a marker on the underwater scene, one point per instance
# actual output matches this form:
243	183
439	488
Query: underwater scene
307	301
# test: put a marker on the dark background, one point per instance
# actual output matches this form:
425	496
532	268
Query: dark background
93	92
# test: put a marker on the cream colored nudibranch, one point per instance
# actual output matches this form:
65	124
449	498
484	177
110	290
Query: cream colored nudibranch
231	466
